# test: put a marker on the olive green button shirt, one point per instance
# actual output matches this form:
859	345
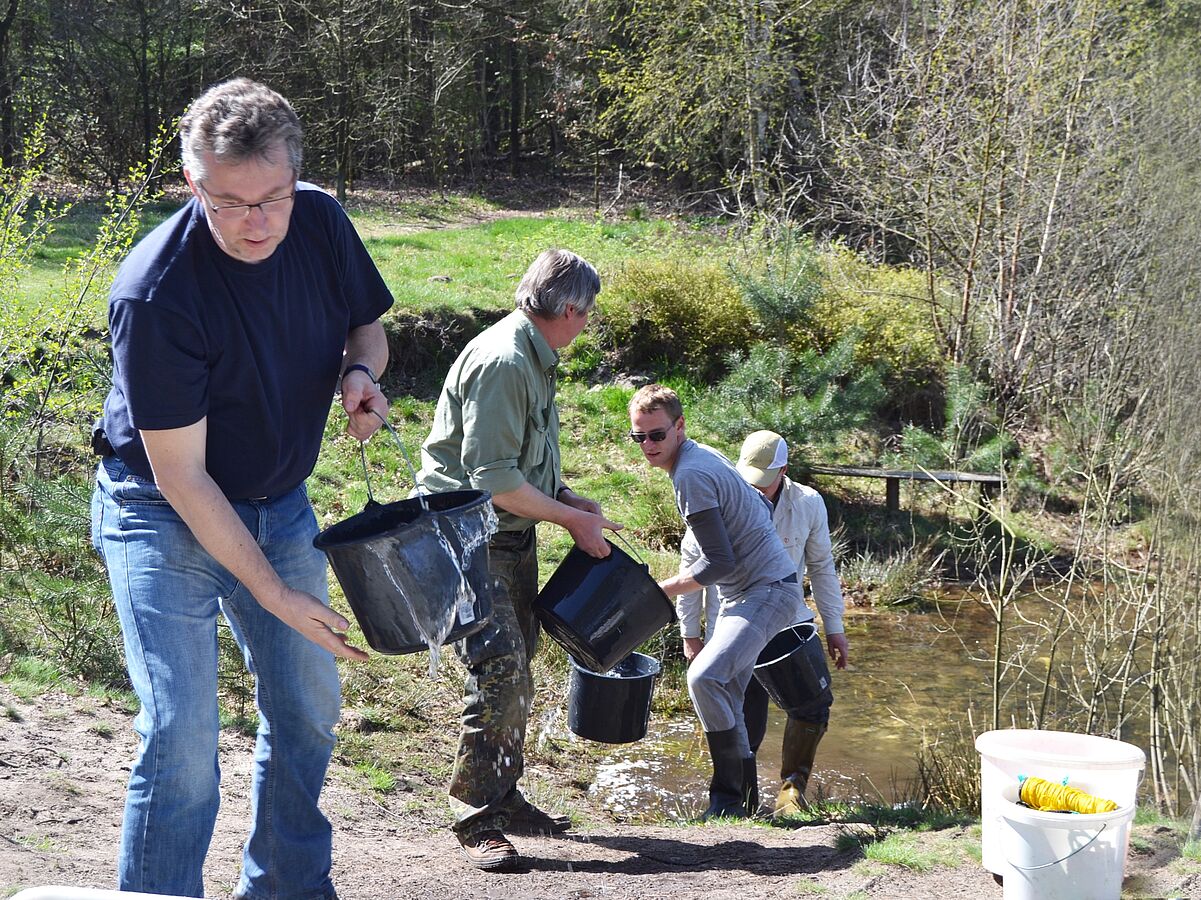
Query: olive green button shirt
496	425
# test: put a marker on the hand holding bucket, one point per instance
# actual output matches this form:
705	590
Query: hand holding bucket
601	609
415	572
588	534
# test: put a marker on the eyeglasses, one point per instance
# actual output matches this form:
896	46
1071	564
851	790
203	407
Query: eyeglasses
235	211
655	436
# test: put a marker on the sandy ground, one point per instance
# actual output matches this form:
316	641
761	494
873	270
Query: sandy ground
64	761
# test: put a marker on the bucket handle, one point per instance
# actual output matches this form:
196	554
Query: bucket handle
404	452
1087	843
630	547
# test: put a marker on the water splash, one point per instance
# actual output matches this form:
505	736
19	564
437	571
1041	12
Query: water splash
431	610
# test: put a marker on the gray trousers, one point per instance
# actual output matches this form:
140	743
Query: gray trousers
718	677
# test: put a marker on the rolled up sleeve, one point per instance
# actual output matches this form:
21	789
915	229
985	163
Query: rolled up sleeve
495	402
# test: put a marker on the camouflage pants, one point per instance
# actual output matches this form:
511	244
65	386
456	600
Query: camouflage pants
498	690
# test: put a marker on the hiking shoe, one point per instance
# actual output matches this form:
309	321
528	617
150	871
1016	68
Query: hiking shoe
526	818
489	850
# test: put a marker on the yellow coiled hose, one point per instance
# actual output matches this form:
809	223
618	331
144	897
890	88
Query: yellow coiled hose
1038	793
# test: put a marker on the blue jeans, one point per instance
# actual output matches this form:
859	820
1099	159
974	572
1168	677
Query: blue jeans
168	592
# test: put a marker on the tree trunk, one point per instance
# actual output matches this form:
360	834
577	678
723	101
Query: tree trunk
516	106
8	125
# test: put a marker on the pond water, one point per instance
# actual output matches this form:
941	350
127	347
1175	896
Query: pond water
908	671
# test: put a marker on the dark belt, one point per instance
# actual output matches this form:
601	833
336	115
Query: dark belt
789	579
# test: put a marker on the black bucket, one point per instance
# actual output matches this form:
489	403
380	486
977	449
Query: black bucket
613	707
390	557
600	610
792	669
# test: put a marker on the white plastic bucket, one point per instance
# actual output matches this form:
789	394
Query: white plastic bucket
1063	856
1112	769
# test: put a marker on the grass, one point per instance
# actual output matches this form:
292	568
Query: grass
381	781
904	577
30	677
40	843
73	233
900	850
117	698
810	888
483	263
910	849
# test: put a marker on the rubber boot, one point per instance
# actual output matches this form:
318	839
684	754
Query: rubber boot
750	786
727	788
797	754
754	714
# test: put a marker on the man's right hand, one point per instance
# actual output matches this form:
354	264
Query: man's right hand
314	620
587	529
693	646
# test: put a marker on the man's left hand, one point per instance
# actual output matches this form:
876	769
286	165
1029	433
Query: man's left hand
839	649
365	404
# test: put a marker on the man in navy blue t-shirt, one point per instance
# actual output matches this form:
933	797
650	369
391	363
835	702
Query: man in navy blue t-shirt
233	324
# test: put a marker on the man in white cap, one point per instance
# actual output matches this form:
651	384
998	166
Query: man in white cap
799	516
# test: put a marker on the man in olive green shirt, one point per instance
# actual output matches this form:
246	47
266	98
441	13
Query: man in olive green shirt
496	428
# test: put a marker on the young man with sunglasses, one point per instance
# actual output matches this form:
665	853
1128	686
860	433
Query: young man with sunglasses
233	323
800	519
740	552
496	428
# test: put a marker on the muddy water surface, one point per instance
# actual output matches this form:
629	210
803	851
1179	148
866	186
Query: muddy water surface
908	672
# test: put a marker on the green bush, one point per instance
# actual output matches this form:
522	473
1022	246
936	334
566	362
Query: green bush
685	311
971	439
811	398
781	280
808	298
890	310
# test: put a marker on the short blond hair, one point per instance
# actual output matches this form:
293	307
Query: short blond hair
650	397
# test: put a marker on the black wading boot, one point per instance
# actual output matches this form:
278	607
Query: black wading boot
750	786
727	788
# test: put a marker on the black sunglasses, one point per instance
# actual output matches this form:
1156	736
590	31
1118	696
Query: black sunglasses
639	436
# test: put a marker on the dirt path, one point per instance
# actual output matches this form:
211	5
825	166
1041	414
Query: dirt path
64	761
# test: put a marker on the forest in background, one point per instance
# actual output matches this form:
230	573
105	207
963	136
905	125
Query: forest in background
1030	168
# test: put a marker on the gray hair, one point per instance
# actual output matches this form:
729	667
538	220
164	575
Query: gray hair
555	280
238	120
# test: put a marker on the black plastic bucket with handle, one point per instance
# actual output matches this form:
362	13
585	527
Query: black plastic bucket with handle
392	564
600	610
612	707
792	669
404	565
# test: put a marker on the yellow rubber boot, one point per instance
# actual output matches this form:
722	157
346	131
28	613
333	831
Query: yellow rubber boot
797	754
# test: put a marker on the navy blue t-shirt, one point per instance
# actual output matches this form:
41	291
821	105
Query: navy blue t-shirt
257	348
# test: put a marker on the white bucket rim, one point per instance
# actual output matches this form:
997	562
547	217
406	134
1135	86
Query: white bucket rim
1009	745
